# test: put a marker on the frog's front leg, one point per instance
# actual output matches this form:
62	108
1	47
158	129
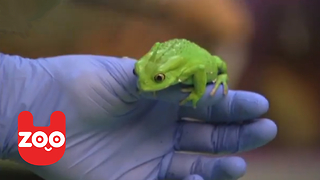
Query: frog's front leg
199	79
222	77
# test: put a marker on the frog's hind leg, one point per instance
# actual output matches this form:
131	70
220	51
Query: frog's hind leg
221	79
222	76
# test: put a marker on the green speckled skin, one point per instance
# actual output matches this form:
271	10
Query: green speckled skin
181	61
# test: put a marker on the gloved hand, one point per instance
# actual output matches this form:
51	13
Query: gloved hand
113	132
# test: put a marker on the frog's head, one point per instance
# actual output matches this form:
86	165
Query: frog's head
150	72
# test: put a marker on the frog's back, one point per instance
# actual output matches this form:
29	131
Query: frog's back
182	47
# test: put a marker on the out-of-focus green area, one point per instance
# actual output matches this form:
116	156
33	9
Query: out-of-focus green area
271	47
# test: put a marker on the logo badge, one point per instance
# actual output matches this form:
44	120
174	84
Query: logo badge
41	146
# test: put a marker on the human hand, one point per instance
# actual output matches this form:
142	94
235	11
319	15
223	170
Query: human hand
113	132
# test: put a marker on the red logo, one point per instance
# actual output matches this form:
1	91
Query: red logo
41	146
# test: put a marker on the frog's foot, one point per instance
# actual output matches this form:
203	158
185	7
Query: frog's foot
221	79
194	97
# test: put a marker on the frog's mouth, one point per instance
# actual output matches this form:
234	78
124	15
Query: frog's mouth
151	88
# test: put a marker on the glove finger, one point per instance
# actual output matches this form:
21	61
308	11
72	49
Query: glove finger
193	177
236	106
223	138
209	168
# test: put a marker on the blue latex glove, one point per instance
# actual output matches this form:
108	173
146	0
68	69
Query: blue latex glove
115	133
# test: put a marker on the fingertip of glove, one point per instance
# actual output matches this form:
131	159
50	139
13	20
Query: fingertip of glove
249	103
234	167
268	130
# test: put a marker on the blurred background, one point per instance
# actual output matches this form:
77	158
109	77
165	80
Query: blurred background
271	47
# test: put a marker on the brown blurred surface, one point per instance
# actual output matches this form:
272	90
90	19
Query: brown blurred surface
83	28
283	164
285	68
88	28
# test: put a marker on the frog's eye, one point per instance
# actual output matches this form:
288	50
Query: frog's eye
159	77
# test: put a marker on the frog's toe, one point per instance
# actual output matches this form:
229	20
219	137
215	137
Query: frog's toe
225	88
184	101
216	86
213	92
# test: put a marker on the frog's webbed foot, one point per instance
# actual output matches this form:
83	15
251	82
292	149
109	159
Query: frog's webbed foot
193	96
221	79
